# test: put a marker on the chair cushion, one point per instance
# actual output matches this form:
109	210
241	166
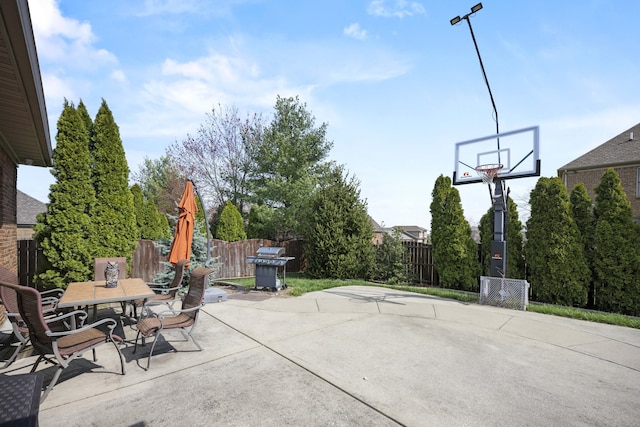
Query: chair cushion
150	325
70	344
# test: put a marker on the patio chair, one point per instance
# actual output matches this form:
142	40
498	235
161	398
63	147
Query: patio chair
20	331
184	320
67	345
166	295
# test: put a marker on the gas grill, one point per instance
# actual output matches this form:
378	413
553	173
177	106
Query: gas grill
267	261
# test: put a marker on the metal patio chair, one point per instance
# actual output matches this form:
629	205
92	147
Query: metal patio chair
165	295
64	346
184	320
20	331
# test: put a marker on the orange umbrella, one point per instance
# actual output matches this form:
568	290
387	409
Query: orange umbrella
181	246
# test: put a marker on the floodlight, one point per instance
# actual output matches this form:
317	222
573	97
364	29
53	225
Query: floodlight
455	20
476	8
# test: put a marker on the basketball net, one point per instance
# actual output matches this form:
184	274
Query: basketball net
489	172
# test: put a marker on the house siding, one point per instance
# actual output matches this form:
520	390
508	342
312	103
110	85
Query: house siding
591	179
8	215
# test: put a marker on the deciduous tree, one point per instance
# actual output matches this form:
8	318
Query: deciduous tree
218	156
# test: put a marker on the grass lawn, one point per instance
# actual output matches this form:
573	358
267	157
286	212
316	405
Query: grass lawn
298	285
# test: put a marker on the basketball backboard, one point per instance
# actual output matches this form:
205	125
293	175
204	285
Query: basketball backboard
517	151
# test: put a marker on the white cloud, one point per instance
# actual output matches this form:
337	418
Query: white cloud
61	39
396	8
355	31
173	7
119	76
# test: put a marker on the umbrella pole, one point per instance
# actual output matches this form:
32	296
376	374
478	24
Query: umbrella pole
206	222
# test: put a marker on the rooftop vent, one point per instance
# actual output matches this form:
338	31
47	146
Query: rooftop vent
630	136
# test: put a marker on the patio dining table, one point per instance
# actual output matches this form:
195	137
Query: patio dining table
80	294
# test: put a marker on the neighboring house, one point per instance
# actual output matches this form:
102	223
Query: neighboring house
621	153
28	209
378	232
24	130
411	233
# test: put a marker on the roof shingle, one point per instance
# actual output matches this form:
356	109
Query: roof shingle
619	150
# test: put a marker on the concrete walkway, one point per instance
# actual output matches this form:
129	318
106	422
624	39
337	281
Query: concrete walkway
361	356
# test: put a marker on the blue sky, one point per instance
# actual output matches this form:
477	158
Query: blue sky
396	83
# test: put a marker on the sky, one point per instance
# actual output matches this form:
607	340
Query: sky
396	83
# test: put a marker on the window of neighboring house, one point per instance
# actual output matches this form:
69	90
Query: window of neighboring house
638	182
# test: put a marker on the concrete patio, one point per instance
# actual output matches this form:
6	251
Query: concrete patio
359	356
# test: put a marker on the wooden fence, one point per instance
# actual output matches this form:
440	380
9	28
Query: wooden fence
419	262
232	258
147	261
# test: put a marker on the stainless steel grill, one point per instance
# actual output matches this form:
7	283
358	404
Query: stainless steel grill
267	260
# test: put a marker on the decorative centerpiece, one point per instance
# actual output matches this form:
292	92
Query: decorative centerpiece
111	274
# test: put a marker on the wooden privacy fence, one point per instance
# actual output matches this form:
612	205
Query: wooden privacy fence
419	262
147	261
232	258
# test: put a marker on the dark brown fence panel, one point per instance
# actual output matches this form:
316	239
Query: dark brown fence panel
27	261
420	266
147	261
232	256
294	249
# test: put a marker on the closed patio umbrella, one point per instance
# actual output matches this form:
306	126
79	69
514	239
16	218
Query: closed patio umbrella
181	246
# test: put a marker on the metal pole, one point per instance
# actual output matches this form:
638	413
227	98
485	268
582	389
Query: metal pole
206	222
484	74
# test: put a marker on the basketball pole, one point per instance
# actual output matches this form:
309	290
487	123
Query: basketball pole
500	222
499	197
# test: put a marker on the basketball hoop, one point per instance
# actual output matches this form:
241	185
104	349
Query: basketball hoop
489	172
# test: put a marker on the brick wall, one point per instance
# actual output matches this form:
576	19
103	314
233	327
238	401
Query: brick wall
591	179
8	221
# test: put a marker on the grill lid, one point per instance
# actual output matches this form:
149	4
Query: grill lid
269	252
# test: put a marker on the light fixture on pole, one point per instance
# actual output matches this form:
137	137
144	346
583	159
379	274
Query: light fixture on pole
456	20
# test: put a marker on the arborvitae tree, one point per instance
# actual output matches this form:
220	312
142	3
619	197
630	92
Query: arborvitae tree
515	259
230	225
86	119
455	254
390	264
338	231
558	270
617	249
139	208
582	211
156	224
113	217
63	231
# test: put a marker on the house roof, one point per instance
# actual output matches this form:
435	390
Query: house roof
376	226
619	150
28	209
24	130
411	228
